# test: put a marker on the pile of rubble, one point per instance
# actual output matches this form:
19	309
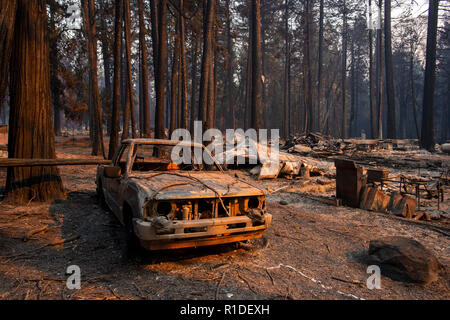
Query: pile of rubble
316	144
257	157
394	153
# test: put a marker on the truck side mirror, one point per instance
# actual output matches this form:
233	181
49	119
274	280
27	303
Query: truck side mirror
112	172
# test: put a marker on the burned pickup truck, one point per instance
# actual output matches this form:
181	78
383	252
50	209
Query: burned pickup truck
168	206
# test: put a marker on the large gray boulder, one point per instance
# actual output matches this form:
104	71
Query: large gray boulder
404	259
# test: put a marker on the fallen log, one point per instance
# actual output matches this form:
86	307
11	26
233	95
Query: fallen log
33	232
11	162
62	241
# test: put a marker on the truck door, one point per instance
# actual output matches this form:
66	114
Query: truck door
113	194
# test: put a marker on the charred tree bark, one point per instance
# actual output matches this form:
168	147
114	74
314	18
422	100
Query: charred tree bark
161	71
229	89
154	4
256	63
427	136
55	83
380	73
208	28
287	72
144	72
30	125
390	89
97	122
248	82
174	84
352	88
179	93
124	92
183	67
105	40
373	130
211	109
390	85
194	95
115	119
307	60
266	115
320	65
106	48
344	72
129	114
413	93
8	11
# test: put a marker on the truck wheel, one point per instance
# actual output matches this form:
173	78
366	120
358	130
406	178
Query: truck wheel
101	196
132	241
133	244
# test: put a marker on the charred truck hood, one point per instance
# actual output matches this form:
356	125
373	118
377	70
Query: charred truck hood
192	185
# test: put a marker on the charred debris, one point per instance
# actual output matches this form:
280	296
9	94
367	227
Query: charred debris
395	177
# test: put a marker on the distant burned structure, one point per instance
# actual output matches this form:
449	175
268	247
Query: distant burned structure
360	188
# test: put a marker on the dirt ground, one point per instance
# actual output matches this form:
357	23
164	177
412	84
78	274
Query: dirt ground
313	250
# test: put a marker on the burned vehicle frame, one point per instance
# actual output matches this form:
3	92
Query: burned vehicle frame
166	206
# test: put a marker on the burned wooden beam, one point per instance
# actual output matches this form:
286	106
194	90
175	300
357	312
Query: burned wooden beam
10	162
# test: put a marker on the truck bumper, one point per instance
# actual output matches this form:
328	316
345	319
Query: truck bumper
197	233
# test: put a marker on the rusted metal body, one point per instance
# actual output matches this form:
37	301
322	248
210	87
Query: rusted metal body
169	207
349	182
377	174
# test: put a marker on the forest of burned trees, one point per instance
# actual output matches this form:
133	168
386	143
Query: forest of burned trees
142	68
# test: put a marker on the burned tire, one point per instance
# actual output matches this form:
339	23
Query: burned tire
132	241
101	197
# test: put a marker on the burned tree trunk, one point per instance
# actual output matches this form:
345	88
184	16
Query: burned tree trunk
308	18
344	73
352	89
105	40
174	85
413	93
391	126
129	110
248	82
208	23
211	105
373	124
320	66
55	83
380	73
97	125
307	60
287	73
115	119
161	71
256	66
229	88
179	93
155	39
194	63
183	67
30	125
7	17
427	136
144	72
